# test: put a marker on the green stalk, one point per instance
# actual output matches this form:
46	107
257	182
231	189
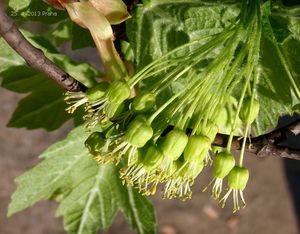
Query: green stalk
185	99
201	53
194	89
222	87
248	124
244	145
158	111
182	124
254	45
205	89
242	153
208	106
193	85
224	67
209	71
215	41
169	79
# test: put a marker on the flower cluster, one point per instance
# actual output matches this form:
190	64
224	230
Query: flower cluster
101	102
167	140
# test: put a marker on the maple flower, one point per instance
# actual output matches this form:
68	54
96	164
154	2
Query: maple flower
222	165
136	136
237	181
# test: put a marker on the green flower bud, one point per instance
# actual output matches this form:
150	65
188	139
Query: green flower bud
210	130
173	168
223	164
179	184
97	92
153	158
191	170
197	148
118	92
238	178
113	110
174	144
246	114
143	102
95	142
223	117
138	133
134	158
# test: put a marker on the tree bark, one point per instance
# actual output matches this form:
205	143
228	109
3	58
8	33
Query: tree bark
33	56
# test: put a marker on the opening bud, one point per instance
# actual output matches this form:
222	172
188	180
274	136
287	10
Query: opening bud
95	143
237	181
143	102
97	92
144	174
197	148
153	158
174	144
210	130
238	178
223	163
113	110
179	185
192	170
247	113
138	133
118	92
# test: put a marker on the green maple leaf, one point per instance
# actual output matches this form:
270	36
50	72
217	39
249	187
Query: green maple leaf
89	194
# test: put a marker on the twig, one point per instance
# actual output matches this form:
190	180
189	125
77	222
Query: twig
268	144
33	56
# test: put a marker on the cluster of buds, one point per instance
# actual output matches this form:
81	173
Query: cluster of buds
175	159
135	125
224	165
100	102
